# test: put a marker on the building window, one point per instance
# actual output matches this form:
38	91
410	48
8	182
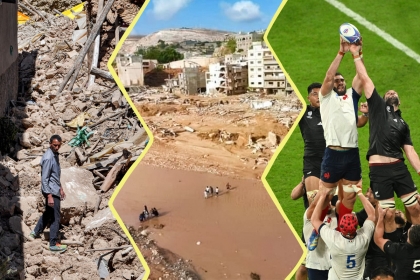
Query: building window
259	76
252	83
259	83
259	69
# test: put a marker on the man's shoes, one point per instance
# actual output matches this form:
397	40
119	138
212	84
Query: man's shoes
58	248
313	240
34	235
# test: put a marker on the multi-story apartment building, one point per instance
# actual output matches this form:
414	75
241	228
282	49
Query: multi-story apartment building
256	66
235	58
244	40
264	71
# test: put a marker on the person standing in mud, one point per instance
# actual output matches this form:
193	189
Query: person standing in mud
211	190
53	192
146	212
217	191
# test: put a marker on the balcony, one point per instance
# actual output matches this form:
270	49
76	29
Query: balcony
274	78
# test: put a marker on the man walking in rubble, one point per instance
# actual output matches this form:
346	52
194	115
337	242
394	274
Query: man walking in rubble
53	192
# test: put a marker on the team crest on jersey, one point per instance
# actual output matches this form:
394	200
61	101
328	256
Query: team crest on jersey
388	109
345	96
309	116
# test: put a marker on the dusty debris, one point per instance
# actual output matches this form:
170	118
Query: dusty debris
222	126
163	263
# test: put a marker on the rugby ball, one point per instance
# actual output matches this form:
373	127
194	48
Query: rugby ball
349	33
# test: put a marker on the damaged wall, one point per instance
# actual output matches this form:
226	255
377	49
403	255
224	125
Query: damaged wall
8	54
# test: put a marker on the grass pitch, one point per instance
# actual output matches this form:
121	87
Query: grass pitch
305	39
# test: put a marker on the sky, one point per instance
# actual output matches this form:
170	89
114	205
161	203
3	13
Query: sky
225	15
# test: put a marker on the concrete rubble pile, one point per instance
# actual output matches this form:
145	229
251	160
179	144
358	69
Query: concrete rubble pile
102	137
281	109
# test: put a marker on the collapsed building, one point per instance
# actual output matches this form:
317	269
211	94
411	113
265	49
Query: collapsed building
54	86
226	78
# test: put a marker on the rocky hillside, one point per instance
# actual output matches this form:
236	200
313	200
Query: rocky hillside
177	35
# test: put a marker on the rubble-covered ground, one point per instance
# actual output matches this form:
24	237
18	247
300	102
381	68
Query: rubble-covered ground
228	135
163	263
102	137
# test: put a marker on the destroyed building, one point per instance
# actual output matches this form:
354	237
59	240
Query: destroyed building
101	135
229	79
130	70
9	54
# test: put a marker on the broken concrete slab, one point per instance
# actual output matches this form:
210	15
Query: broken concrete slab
273	138
25	140
36	162
139	137
77	185
103	216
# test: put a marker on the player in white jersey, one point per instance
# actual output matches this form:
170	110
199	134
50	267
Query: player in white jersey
318	261
347	245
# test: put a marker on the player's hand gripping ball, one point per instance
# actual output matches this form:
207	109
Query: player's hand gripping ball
349	33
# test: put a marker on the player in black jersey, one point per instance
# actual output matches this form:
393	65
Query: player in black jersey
313	136
389	136
394	223
405	256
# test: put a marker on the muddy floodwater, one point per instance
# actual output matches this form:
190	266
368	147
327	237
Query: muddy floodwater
225	237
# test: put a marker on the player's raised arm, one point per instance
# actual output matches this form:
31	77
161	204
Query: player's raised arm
328	84
378	235
412	157
362	74
299	190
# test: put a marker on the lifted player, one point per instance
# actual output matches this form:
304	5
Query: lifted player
341	160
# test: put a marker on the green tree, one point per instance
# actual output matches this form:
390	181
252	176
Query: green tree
231	45
165	55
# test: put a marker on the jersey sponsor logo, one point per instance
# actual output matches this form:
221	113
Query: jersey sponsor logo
309	116
320	123
395	120
388	109
327	175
